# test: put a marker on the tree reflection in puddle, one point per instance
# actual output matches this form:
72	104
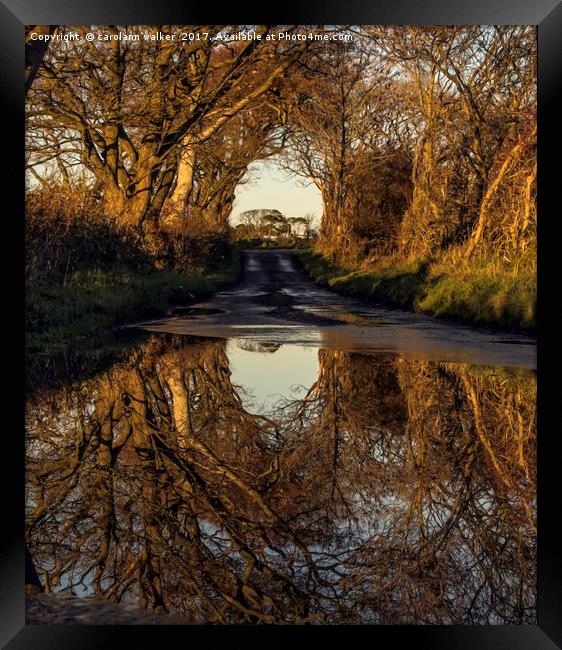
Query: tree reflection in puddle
385	491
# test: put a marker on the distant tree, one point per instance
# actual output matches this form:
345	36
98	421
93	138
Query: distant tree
263	221
274	224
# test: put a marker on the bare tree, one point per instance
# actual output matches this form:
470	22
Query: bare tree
132	109
340	136
218	167
475	87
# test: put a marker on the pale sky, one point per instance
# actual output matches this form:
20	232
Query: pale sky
271	188
268	377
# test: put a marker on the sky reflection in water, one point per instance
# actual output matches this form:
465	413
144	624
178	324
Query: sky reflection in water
192	478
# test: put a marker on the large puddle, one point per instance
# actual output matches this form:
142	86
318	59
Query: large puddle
241	481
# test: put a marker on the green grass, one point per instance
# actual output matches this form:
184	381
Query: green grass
397	284
90	302
487	290
484	291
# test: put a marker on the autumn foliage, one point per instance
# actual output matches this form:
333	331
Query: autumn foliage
421	140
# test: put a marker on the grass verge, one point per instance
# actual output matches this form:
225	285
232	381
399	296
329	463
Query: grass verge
93	301
485	291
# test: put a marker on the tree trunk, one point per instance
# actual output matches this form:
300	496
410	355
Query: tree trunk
477	233
178	200
529	181
35	51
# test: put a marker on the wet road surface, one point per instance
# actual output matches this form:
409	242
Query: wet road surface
276	302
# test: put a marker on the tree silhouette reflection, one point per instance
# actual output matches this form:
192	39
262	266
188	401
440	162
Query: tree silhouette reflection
394	491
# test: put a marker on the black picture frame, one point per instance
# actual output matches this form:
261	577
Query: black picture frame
547	16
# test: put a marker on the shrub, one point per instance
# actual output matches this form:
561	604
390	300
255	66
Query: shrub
66	231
